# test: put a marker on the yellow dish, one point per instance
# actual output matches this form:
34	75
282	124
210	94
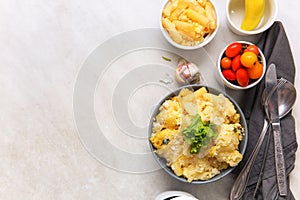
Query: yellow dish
189	24
222	151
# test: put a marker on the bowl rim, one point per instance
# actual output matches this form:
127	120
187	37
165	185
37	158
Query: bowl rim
162	161
255	31
171	193
237	87
207	39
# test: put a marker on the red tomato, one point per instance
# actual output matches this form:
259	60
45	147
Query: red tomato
229	74
226	63
252	48
236	63
233	49
242	77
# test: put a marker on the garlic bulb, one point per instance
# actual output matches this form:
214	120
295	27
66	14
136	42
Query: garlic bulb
187	72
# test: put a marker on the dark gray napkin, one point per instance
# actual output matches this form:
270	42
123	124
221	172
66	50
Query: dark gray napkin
276	48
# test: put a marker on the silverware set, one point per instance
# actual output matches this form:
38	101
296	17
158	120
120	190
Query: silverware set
278	99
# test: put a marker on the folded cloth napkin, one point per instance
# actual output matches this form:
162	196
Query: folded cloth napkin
276	48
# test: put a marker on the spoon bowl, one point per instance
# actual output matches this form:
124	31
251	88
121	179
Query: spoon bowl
287	95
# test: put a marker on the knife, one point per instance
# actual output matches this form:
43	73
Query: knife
271	80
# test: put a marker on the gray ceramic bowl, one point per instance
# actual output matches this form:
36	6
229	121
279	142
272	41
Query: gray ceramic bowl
162	162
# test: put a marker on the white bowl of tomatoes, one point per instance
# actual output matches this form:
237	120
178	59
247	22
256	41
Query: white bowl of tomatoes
241	65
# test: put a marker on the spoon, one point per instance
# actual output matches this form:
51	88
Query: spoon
286	100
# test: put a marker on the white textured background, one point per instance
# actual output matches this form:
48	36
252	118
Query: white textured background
43	44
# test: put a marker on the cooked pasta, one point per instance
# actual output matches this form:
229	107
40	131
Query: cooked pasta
188	22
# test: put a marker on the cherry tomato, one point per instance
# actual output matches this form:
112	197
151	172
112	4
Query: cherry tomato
252	48
249	59
256	71
226	63
233	49
229	74
242	77
236	63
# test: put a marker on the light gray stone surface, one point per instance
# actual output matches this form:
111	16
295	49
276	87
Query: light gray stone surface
44	45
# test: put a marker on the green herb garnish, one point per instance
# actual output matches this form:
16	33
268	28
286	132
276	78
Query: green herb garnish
198	134
167	59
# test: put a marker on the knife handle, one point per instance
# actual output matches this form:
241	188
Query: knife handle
279	160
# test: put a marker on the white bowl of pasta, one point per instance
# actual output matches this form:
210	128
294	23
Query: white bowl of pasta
198	134
189	24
